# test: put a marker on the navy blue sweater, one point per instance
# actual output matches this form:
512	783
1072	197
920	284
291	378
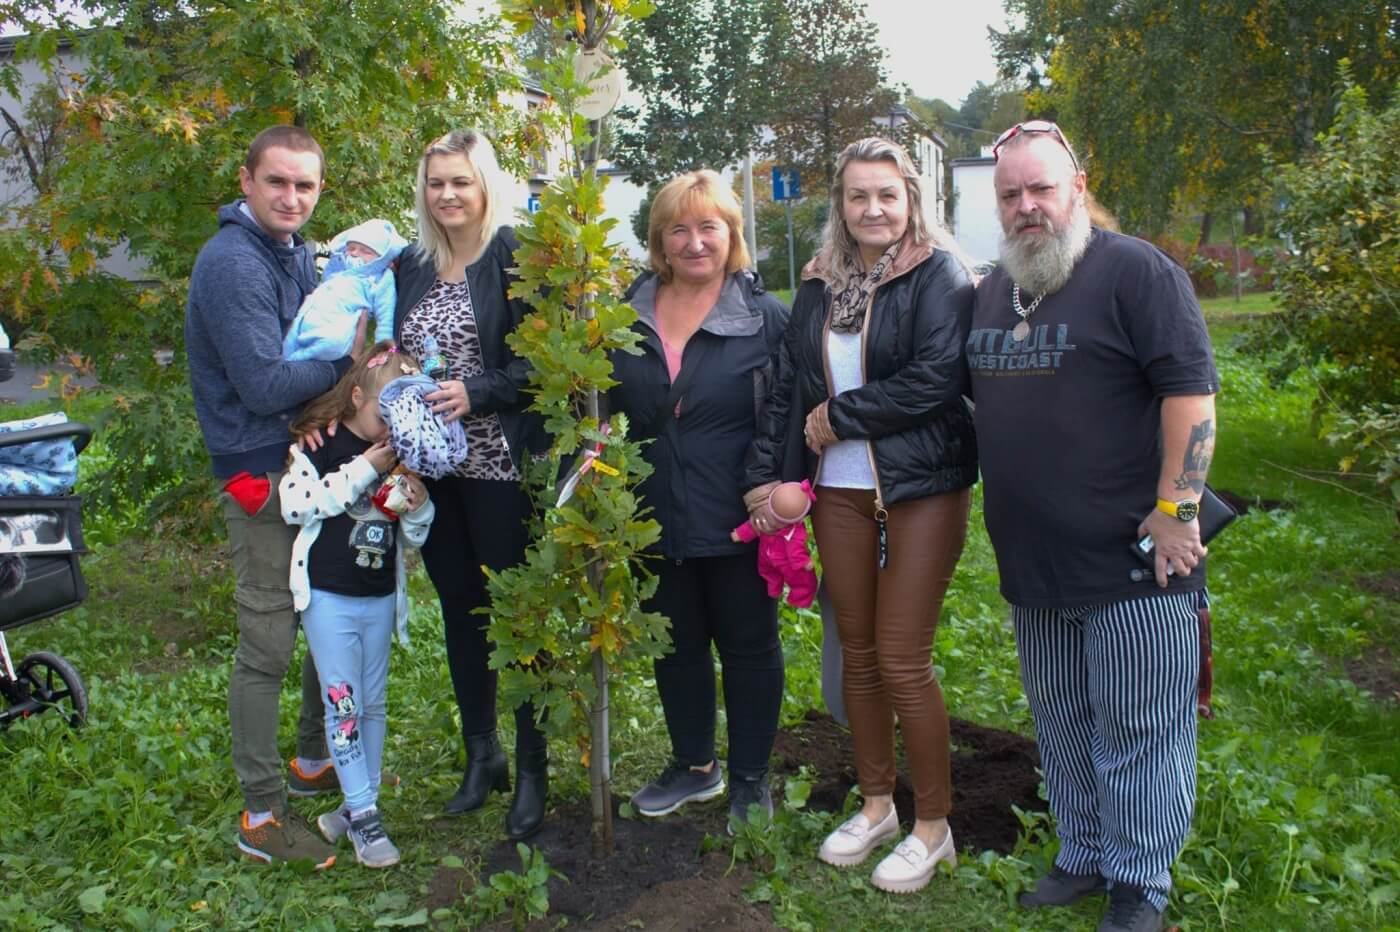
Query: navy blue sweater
244	292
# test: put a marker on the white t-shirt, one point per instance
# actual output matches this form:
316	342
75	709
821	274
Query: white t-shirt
846	463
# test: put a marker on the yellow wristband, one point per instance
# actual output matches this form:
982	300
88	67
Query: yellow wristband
1167	507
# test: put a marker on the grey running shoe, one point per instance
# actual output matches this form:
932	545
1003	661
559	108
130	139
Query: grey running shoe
745	792
372	847
677	786
1060	888
1129	911
334	825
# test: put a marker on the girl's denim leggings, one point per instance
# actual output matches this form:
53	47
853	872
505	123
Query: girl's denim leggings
349	638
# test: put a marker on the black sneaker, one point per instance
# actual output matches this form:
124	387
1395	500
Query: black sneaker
1061	888
745	792
677	786
1129	911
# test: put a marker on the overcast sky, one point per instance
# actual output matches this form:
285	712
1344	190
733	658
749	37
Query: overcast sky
938	49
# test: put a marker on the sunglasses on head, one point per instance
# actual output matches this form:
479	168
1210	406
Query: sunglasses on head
1034	126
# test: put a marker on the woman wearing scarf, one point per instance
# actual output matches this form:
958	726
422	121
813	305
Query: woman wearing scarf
872	365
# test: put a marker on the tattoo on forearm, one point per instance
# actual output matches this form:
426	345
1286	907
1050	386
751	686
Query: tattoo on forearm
1199	449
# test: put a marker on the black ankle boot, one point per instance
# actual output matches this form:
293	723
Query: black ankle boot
531	792
486	771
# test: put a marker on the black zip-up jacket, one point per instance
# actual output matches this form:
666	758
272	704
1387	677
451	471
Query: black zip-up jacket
696	489
500	389
911	406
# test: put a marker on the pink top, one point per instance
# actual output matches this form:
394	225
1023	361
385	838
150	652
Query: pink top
673	357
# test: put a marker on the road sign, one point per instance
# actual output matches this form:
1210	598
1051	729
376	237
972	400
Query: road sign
786	186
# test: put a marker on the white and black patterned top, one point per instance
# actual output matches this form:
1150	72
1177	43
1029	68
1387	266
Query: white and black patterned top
446	313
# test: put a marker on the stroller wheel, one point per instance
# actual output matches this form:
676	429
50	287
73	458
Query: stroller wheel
54	683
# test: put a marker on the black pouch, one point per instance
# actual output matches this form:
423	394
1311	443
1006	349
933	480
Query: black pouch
1215	513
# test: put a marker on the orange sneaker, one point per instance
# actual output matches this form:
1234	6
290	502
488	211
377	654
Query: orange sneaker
302	784
311	784
290	838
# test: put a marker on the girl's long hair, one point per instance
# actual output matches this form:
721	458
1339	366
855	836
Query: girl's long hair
473	144
839	251
338	404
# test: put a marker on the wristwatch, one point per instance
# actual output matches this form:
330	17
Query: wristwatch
1184	510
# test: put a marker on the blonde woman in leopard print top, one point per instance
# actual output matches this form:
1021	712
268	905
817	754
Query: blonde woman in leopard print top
452	287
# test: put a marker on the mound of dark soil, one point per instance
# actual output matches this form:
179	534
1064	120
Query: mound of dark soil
1377	671
992	771
1386	585
658	879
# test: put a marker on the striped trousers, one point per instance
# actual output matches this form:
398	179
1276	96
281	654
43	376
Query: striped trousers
1112	691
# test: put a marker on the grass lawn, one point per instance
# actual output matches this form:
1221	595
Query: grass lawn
129	823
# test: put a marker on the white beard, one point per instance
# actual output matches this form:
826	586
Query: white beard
1042	263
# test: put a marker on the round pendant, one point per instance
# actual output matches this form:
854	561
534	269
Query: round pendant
1021	330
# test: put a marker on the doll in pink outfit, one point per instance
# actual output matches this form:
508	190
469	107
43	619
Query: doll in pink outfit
782	555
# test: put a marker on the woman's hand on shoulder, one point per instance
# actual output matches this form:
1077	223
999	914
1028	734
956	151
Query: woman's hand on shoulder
450	400
312	440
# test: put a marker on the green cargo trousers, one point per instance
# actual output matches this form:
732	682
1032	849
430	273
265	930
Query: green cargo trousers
260	547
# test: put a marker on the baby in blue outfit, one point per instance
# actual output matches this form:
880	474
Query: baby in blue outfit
357	278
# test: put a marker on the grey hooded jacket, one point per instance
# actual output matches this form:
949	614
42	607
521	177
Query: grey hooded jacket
244	293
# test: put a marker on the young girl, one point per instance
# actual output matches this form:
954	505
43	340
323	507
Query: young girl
348	581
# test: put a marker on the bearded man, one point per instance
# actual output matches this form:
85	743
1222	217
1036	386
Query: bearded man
1094	388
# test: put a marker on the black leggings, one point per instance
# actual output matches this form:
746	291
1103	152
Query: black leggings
724	600
478	521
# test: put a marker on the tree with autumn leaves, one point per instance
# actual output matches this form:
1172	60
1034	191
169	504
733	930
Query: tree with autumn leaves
153	105
1185	104
570	616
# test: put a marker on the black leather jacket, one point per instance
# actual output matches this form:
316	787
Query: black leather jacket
500	389
911	406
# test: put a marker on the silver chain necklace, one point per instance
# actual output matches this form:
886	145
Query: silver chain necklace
1022	328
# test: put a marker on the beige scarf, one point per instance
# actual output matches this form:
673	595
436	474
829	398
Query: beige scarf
848	304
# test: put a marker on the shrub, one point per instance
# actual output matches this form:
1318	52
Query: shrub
1339	284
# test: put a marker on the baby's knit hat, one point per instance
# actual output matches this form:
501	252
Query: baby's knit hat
378	235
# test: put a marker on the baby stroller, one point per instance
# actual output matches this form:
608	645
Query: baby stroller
40	541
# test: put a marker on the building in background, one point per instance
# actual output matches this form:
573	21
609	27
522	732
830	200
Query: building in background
16	187
927	149
975	223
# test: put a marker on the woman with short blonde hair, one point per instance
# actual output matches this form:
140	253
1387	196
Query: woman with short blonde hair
708	332
693	192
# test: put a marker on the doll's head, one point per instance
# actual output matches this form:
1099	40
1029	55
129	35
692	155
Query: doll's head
790	501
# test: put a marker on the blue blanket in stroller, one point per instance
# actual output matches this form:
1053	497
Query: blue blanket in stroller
49	467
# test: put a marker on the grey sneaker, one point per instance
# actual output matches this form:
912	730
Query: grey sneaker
677	786
372	847
1129	911
334	825
1060	888
745	792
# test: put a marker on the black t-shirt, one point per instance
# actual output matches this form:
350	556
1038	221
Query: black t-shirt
355	552
1068	420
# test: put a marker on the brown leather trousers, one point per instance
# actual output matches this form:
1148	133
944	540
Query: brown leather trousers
886	619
